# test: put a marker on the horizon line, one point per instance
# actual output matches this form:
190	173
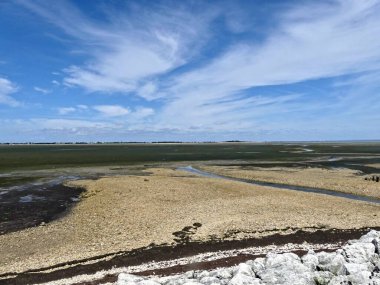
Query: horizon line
187	142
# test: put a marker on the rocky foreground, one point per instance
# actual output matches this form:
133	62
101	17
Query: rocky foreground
358	262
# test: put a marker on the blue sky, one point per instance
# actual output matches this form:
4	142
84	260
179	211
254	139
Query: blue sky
189	70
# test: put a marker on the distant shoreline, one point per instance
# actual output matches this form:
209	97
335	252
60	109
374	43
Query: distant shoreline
197	142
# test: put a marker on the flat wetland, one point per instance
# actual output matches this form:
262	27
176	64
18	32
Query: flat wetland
133	196
18	157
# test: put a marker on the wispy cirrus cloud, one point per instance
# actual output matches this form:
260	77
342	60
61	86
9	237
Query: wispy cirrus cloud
41	90
7	88
68	124
72	109
142	112
126	49
112	110
205	71
337	38
108	111
66	110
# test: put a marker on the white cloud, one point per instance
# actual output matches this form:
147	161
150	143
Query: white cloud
143	112
311	42
148	91
42	90
63	124
55	82
54	124
82	107
130	48
7	88
66	110
49	130
112	110
342	40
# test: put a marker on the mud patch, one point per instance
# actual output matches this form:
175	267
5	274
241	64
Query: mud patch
23	209
184	236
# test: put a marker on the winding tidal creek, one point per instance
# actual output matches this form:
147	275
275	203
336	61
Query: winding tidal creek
283	186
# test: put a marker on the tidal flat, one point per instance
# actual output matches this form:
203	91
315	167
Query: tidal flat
130	205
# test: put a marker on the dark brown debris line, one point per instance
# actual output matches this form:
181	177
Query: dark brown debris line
162	253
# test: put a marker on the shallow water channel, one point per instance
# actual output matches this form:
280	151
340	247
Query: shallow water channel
284	186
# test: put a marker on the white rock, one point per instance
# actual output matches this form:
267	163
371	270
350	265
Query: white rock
124	282
376	279
242	279
179	280
370	236
322	277
355	268
173	282
213	273
201	274
244	269
189	280
376	243
128	279
310	260
331	262
224	273
360	277
284	269
274	259
192	283
148	282
376	263
209	280
356	263
257	265
339	280
359	252
189	274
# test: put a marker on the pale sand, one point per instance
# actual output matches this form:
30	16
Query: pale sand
128	212
342	180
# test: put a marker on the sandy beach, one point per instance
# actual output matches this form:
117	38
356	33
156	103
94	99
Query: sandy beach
128	212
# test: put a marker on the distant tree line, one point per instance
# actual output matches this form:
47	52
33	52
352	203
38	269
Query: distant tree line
120	142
